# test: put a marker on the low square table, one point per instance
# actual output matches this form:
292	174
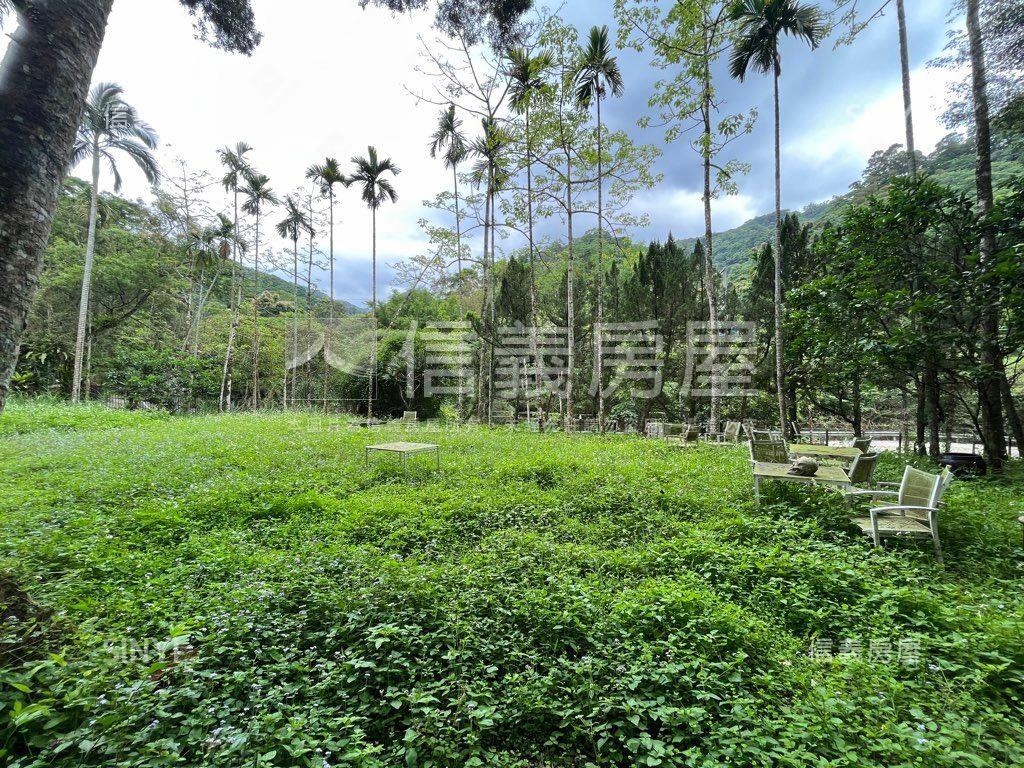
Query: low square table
764	470
404	451
824	451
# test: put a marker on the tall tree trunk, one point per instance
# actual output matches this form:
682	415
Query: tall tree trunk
234	301
256	318
88	361
458	222
481	403
534	322
492	318
201	307
189	302
930	394
330	310
933	408
991	353
1012	416
373	320
920	419
90	255
491	321
908	113
570	305
459	405
709	268
295	316
779	377
599	330
309	310
858	419
44	79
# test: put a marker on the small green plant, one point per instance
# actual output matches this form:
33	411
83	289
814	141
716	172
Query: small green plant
240	590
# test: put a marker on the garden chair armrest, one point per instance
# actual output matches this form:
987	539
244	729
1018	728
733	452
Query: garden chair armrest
870	493
901	508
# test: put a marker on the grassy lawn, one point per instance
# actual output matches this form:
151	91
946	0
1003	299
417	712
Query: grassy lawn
241	591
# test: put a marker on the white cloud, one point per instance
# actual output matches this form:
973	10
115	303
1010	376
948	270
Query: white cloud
872	124
681	211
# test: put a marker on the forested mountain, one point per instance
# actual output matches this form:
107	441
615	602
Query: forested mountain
951	164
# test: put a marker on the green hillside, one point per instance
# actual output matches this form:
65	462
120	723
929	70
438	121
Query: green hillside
282	286
952	164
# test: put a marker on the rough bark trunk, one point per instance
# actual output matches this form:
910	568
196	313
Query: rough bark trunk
44	79
1012	416
779	377
933	409
920	420
992	357
90	255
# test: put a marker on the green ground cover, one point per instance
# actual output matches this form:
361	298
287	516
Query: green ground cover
241	591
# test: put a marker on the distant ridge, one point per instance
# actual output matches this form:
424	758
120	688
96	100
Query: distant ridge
952	164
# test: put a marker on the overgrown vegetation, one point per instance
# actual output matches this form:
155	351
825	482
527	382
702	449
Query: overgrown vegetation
240	590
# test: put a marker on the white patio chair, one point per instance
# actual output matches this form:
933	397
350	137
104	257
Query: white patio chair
914	514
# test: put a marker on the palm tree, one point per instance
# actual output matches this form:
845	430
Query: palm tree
109	126
597	74
760	24
258	195
237	171
448	142
328	175
526	75
369	174
291	227
491	171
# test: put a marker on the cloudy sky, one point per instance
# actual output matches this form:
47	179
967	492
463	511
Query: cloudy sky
331	78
